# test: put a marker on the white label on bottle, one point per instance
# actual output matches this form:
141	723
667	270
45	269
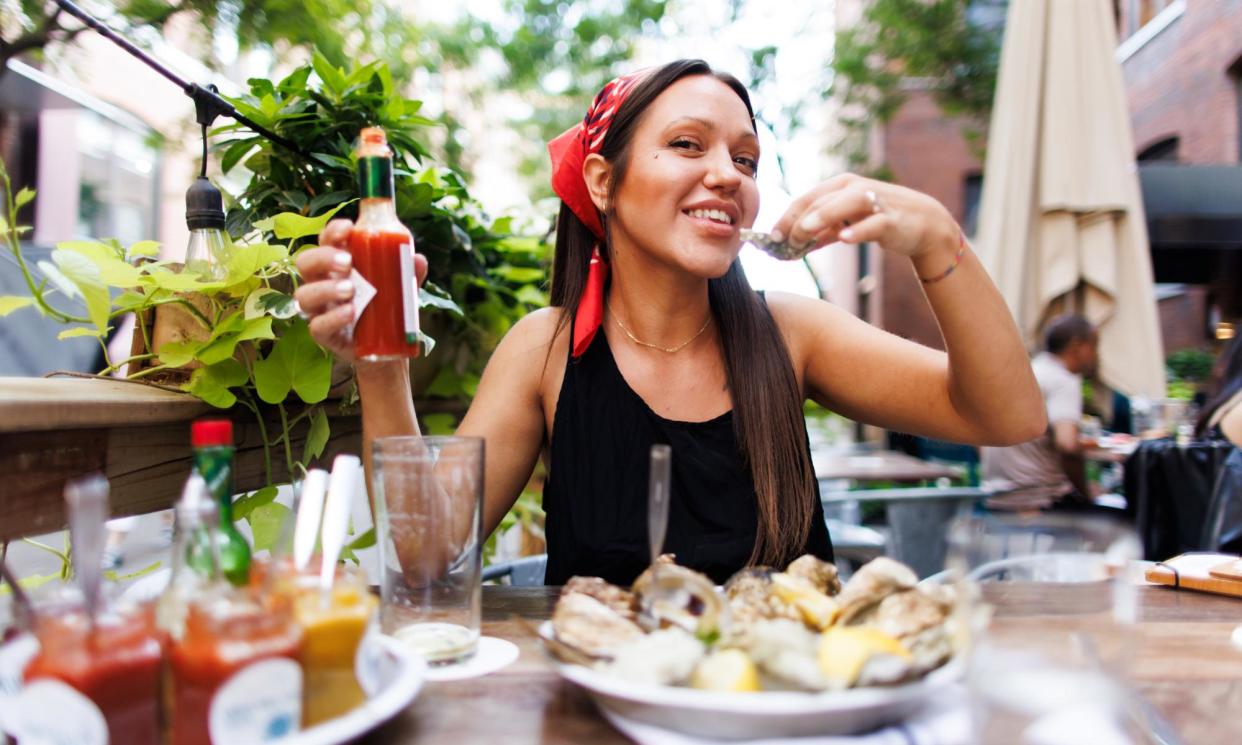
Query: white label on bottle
14	656
409	293
260	703
364	293
49	712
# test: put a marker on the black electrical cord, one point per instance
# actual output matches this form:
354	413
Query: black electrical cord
208	103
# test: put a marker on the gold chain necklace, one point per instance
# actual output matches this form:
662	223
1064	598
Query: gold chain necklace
668	350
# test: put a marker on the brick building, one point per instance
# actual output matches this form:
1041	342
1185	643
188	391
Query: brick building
1182	63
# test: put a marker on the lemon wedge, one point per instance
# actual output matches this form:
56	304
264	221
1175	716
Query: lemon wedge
817	609
726	671
844	650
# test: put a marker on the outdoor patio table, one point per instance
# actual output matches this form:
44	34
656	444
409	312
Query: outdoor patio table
878	465
1183	665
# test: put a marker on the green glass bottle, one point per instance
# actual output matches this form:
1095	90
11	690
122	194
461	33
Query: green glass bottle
212	441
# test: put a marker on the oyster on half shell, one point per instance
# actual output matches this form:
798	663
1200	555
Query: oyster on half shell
672	595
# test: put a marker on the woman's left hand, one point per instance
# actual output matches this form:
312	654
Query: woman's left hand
854	209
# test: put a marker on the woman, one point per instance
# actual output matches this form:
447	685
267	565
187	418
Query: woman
1221	416
655	336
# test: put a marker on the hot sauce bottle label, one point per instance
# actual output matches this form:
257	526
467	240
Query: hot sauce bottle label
49	712
409	294
364	293
260	703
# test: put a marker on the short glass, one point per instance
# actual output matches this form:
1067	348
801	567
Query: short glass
429	521
1076	574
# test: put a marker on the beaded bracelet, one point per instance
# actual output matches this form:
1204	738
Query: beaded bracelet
961	250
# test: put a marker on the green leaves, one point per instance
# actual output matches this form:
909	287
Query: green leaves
212	383
244	505
266	522
77	276
10	303
221	345
291	226
317	437
295	363
266	301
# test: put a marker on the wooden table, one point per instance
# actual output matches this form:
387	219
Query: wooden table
878	465
1183	664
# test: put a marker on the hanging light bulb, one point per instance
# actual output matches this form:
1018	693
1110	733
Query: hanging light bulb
207	251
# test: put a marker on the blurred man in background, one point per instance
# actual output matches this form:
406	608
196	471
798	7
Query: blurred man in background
1050	469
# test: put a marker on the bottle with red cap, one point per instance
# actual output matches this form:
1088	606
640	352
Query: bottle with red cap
212	441
385	295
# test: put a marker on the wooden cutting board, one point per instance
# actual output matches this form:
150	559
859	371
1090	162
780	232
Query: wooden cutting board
1207	572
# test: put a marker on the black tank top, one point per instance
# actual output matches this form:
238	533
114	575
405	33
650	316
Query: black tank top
596	494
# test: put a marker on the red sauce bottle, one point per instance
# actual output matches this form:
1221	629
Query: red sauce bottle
235	673
116	665
383	253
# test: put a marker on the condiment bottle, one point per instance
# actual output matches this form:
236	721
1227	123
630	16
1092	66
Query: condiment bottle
212	442
386	298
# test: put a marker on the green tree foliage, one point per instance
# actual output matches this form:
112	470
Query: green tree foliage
950	46
28	26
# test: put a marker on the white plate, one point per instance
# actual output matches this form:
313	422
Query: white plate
745	716
394	673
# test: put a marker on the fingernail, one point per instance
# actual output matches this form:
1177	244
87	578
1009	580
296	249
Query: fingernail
341	260
344	289
847	235
777	236
811	223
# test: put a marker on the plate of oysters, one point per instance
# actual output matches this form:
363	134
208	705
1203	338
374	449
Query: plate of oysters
771	654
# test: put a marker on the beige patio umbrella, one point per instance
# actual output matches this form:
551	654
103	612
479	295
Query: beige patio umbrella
1061	220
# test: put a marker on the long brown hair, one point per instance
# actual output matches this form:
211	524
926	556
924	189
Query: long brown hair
767	405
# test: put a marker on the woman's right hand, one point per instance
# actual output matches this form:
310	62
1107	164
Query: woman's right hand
326	294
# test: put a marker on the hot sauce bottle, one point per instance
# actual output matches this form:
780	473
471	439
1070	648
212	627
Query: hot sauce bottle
386	302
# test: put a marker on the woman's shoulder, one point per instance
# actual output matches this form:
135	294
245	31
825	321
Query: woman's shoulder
538	344
802	318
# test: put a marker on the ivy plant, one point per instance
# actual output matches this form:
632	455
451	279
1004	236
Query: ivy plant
482	275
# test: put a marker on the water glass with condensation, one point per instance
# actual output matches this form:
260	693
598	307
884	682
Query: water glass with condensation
428	495
1072	573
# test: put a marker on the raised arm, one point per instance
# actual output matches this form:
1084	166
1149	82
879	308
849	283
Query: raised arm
982	391
506	411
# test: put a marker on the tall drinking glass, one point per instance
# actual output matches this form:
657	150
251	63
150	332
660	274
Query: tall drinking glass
1069	574
428	515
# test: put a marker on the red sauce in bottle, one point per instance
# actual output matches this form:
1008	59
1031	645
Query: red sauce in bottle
222	639
117	666
383	253
381	331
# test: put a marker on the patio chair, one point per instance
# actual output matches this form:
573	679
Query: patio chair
1222	531
527	571
1169	488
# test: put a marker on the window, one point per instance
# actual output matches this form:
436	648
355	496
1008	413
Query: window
1163	150
116	190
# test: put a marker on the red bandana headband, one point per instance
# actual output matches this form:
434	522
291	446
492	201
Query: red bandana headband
569	152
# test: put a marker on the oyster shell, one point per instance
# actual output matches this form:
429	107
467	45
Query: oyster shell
620	600
910	612
876	580
818	572
672	595
591	627
752	597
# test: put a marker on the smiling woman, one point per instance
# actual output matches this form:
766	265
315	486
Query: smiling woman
655	337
